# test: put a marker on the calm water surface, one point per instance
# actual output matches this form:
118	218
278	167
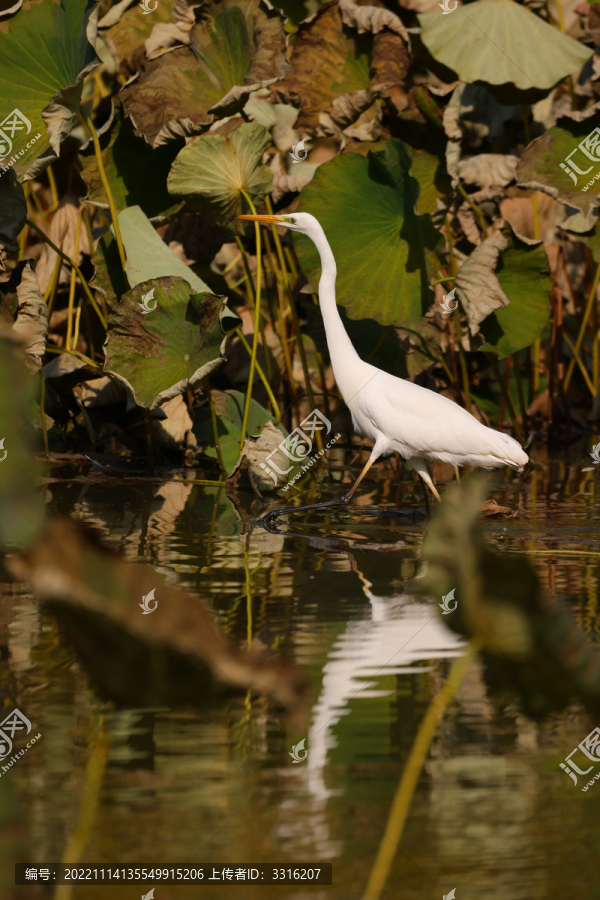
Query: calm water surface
493	815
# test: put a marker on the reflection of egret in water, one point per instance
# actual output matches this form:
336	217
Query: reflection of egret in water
398	634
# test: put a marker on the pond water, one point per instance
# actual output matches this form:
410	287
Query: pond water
493	815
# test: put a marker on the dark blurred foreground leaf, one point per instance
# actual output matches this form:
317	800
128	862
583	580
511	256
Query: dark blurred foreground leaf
175	655
532	646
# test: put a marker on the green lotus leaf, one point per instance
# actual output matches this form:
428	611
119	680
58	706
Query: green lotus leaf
131	167
211	172
108	272
383	249
13	207
492	41
236	48
524	276
563	163
160	353
434	182
147	255
45	54
229	409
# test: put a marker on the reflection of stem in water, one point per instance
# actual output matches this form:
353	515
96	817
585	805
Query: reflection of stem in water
149	451
408	782
90	801
248	598
147	509
43	411
257	291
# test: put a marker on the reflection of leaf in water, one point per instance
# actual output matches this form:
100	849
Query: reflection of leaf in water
175	656
213	504
19	499
532	646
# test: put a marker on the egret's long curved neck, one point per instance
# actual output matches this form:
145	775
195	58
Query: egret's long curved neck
345	361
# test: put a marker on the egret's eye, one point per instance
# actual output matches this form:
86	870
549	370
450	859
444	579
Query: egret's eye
289	219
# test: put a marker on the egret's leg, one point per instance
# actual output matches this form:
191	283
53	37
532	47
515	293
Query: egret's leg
345	499
420	467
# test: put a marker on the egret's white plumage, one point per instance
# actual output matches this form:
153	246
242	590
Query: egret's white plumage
395	414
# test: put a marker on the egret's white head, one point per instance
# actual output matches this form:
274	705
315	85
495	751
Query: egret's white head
302	222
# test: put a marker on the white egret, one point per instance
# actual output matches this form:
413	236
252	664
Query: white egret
396	415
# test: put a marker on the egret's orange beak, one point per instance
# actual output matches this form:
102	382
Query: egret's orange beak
265	220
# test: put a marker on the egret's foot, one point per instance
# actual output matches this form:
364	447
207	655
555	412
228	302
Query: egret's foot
275	513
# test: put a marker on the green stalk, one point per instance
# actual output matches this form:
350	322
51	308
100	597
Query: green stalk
476	210
444	366
379	344
463	360
461	349
299	341
256	324
75	353
595	349
75	266
267	386
252	293
149	448
281	324
520	392
582	329
581	365
53	190
406	788
43	411
111	203
506	394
